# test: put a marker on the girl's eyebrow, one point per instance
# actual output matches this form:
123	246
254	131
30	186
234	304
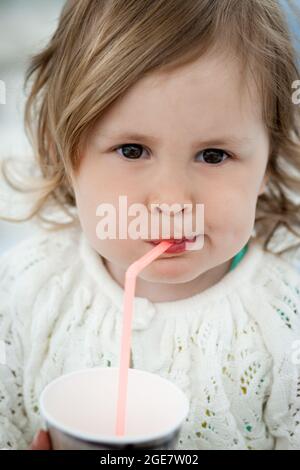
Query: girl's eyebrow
224	140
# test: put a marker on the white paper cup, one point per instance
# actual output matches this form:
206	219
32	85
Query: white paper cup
79	410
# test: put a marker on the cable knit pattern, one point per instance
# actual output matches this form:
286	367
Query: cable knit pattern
232	348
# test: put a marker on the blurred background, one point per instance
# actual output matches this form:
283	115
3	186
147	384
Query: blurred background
25	26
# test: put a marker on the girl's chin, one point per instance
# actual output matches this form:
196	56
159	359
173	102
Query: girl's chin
171	269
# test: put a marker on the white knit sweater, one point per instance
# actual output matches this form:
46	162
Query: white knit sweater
232	348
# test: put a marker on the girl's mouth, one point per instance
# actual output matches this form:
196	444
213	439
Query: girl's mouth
179	246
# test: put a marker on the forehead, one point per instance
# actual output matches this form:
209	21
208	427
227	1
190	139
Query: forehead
202	96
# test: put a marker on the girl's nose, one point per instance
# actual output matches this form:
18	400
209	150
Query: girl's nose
171	194
177	216
168	208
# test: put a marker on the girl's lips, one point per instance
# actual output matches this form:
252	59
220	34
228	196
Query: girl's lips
178	246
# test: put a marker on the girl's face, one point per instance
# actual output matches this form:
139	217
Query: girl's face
180	115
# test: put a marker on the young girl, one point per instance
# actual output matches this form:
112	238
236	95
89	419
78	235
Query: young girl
165	102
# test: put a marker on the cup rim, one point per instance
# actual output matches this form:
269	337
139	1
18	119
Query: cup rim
111	439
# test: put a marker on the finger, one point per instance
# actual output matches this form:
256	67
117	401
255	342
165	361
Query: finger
41	441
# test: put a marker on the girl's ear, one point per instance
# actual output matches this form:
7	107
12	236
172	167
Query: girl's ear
263	184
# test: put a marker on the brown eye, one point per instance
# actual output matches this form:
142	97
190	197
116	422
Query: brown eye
131	151
214	156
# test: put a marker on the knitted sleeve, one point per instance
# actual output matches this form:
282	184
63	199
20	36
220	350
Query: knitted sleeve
25	271
13	419
280	326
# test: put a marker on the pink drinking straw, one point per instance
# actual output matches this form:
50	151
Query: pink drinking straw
130	281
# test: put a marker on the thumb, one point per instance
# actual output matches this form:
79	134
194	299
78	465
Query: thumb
41	441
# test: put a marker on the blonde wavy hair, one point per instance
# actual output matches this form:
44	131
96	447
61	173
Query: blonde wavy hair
102	47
